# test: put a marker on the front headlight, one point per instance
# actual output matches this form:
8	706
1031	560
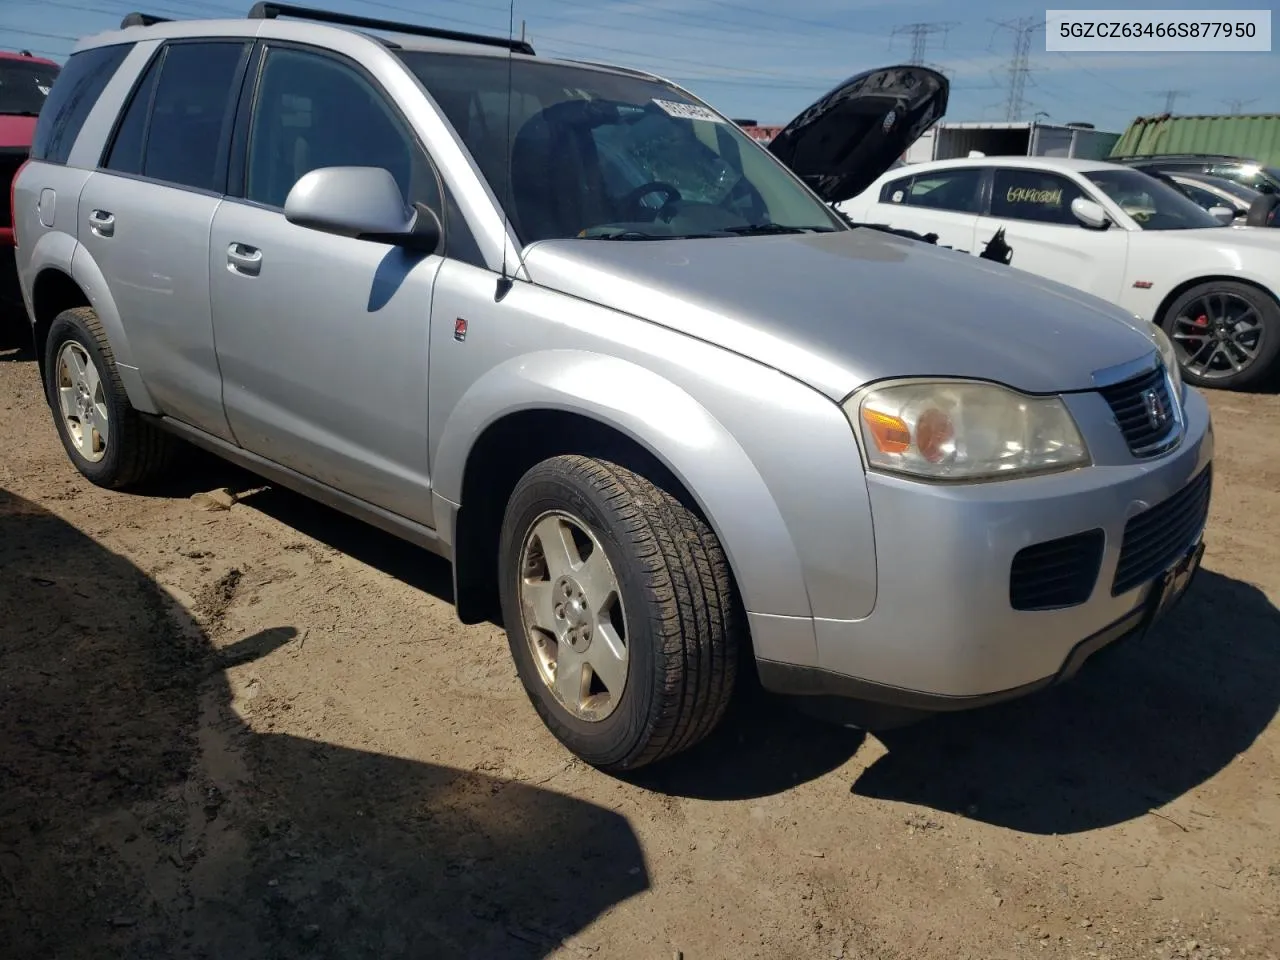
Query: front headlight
962	430
1170	357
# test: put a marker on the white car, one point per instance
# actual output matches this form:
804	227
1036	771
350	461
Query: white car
1110	230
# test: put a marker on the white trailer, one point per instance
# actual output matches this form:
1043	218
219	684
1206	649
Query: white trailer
946	141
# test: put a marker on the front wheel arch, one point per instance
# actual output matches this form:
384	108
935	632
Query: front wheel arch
501	455
1185	285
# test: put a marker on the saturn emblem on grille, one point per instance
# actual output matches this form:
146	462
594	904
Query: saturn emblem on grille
1157	411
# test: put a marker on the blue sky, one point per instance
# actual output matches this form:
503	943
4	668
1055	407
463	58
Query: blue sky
766	60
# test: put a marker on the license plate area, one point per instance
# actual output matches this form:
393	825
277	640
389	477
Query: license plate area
1174	583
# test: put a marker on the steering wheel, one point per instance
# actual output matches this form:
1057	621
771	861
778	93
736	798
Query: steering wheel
633	197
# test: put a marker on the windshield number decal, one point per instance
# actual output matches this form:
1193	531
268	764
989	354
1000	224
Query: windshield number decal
688	111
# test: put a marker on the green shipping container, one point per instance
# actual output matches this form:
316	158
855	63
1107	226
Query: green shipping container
1253	137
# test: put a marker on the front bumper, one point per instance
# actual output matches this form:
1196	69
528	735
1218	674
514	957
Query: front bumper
944	633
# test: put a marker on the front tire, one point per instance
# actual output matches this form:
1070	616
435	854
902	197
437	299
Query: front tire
620	611
1226	334
106	439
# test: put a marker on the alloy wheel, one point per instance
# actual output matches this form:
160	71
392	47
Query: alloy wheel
81	402
573	616
1217	335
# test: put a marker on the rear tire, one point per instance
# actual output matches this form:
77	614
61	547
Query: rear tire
673	613
1216	325
107	440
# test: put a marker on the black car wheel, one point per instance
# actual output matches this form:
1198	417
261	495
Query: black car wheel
1226	334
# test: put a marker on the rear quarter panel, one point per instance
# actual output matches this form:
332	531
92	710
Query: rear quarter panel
1167	261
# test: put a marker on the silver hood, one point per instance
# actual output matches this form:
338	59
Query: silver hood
837	310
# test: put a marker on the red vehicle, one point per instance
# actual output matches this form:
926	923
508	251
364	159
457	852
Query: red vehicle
24	83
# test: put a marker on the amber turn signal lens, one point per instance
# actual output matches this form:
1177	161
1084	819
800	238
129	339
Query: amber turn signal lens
890	434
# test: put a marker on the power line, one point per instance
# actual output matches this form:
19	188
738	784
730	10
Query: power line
1170	97
920	33
1020	63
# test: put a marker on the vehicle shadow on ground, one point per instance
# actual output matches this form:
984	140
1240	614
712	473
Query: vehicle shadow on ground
15	353
762	748
1143	724
141	817
412	565
1138	728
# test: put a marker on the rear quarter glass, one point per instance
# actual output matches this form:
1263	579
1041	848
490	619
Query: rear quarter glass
72	98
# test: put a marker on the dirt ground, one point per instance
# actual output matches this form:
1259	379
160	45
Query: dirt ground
260	732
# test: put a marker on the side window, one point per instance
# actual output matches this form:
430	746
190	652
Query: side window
954	190
71	99
313	111
125	152
190	110
1201	196
895	191
1033	195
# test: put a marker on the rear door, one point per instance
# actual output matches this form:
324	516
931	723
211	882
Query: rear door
1033	206
944	202
145	217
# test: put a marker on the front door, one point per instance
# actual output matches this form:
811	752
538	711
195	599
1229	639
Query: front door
323	340
1034	208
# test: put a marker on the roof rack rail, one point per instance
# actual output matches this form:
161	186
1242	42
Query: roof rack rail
270	11
141	20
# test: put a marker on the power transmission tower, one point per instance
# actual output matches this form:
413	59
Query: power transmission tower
1020	64
1237	105
1170	98
920	34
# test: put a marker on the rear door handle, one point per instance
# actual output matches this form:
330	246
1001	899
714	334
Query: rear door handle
245	259
102	223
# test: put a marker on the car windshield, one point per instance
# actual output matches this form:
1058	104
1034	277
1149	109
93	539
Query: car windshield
605	155
1152	203
24	86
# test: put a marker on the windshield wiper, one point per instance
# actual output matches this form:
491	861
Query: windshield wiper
760	229
641	235
624	235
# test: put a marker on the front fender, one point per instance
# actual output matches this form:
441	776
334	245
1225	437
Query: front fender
669	423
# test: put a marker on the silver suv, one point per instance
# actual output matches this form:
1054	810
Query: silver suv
669	416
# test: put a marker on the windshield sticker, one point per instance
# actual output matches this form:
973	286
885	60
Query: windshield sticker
1048	198
897	196
688	111
43	89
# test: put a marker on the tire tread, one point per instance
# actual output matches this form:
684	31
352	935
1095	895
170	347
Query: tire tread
695	616
145	451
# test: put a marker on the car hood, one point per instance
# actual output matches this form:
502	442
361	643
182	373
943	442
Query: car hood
854	133
837	310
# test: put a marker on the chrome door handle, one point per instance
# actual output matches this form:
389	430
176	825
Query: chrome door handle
243	258
102	223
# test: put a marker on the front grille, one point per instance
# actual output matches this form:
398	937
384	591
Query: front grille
1056	573
1145	412
1157	537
